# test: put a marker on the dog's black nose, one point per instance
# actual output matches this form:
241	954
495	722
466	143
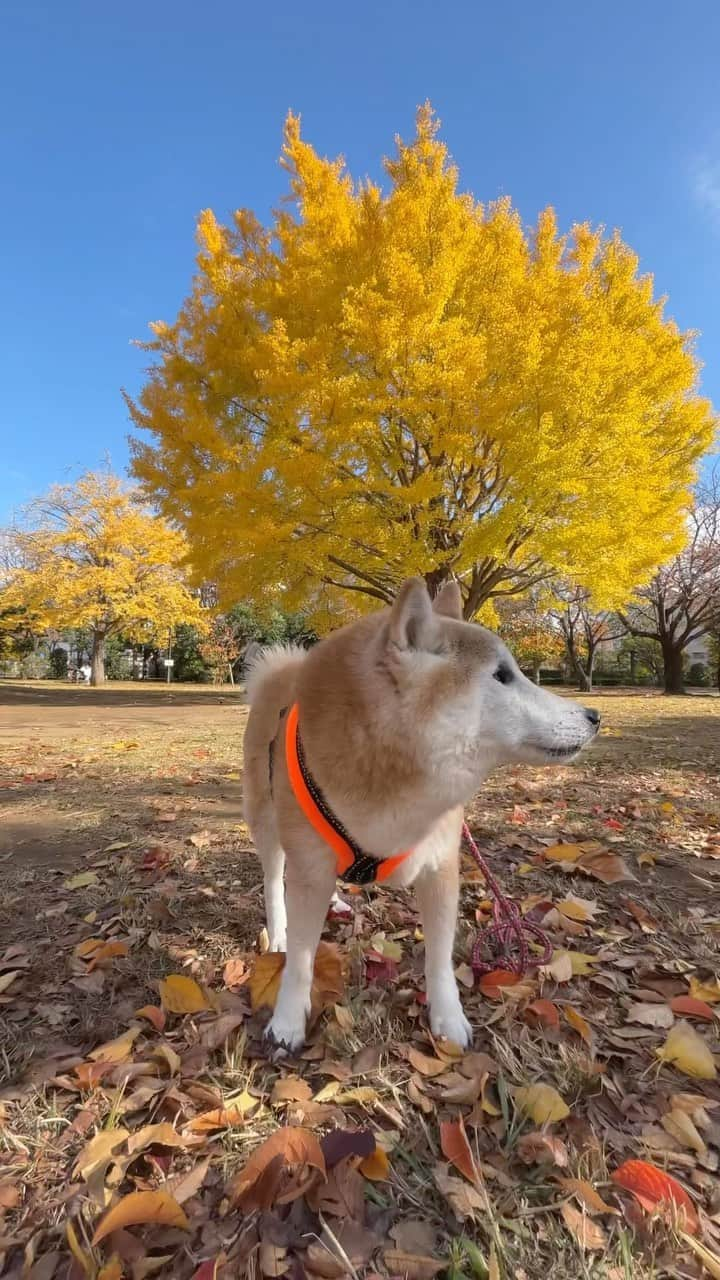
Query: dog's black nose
592	715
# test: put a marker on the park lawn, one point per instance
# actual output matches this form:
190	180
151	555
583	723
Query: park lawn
125	860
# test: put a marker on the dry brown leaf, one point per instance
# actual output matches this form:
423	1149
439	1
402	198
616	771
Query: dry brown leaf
411	1265
589	1235
235	972
288	1146
113	1270
425	1065
98	1151
465	1200
542	1148
118	1050
218	1118
160	1135
414	1235
680	1126
456	1148
291	1089
214	1034
687	1051
579	909
273	1259
606	867
542	1013
589	1198
186	1185
564	852
139	1207
180	994
710	1260
651	1015
153	1014
542	1103
579	1024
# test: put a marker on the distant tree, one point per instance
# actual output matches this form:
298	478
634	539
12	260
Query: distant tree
189	662
220	648
682	601
91	555
584	629
531	634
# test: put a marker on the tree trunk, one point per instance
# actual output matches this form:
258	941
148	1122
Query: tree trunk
536	672
97	660
673	669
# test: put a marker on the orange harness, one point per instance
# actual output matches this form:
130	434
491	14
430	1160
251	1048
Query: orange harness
354	866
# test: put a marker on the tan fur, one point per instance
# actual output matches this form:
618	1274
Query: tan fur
401	717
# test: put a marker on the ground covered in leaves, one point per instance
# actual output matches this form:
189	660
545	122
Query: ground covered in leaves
144	1129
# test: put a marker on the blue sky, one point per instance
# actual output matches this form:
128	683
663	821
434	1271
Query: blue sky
121	122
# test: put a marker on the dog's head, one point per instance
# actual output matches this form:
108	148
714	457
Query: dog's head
465	688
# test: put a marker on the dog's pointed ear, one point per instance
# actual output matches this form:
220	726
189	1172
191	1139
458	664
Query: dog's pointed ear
412	623
448	601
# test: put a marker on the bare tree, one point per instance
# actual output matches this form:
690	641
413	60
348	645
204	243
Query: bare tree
584	630
682	602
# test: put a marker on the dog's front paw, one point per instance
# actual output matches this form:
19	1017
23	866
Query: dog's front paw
452	1024
287	1030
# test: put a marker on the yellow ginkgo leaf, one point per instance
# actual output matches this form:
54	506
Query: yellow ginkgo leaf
542	1103
141	1206
180	994
686	1050
708	991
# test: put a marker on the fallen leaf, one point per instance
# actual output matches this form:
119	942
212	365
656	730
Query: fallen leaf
98	1151
587	1195
651	1015
343	1017
328	984
376	1166
288	1146
580	909
339	1144
542	1013
180	994
200	839
235	972
425	1065
687	1051
154	1014
186	1185
493	984
456	1148
83	1259
218	1118
139	1207
560	967
579	1024
411	1265
113	1270
82	881
107	952
213	1034
564	852
589	1235
688	1007
542	1103
710	1260
647	922
707	991
290	1089
414	1235
655	1189
465	1200
680	1126
273	1259
7	979
606	867
160	1135
118	1050
542	1148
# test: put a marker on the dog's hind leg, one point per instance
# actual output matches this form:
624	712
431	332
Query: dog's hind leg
307	903
437	891
272	857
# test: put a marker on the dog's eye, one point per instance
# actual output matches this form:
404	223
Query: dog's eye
503	674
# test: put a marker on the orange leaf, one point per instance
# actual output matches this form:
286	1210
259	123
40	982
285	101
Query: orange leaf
587	1195
543	1013
118	1050
180	994
141	1206
456	1149
376	1166
688	1007
154	1014
265	980
578	1023
113	1270
426	1065
655	1189
220	1118
491	983
288	1146
107	952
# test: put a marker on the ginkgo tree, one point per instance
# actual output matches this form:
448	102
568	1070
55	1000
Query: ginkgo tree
92	555
399	380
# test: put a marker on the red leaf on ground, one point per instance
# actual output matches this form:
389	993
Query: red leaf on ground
542	1013
655	1189
456	1149
491	983
688	1007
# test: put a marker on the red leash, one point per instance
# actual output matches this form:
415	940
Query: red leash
504	943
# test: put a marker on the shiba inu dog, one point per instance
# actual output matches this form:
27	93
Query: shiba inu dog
359	757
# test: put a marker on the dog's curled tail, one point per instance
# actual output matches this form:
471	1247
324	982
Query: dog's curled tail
273	671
